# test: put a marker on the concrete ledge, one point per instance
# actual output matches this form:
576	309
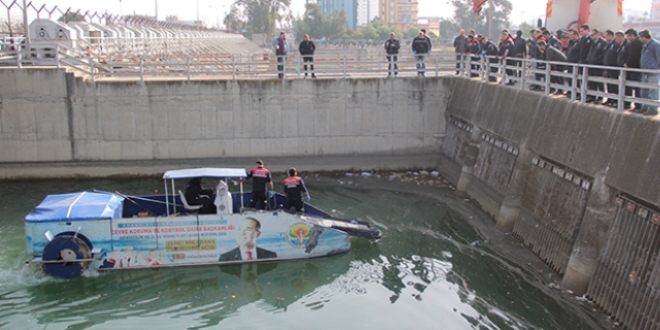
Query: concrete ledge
63	170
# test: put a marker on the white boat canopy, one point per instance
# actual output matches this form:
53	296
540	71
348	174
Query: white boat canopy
206	172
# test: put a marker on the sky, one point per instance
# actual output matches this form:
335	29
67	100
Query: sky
212	11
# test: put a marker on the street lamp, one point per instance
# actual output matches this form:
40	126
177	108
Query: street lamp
217	15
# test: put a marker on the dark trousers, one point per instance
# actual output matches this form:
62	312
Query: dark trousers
311	66
596	86
557	80
493	68
474	67
281	59
258	197
613	88
510	64
458	63
540	76
519	64
392	61
207	205
297	203
633	76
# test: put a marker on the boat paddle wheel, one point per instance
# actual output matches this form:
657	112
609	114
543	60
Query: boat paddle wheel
66	256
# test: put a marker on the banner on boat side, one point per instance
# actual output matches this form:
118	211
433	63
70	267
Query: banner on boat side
144	242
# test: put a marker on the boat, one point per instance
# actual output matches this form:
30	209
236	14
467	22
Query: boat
73	232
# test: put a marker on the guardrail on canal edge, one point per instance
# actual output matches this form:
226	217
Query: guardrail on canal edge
575	184
580	82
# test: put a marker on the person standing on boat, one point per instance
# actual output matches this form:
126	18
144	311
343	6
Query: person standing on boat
294	188
196	195
260	179
247	246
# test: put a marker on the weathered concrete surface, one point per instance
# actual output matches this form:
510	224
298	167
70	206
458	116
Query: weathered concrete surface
619	152
589	139
109	121
34	122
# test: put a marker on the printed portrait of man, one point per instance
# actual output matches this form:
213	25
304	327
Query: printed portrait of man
247	249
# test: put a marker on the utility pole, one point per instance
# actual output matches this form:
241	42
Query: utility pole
491	11
27	29
156	3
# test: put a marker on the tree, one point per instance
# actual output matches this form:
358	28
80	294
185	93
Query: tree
412	33
318	26
257	16
525	28
465	18
72	17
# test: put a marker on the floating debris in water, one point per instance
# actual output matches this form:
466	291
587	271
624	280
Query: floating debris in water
475	243
366	174
435	173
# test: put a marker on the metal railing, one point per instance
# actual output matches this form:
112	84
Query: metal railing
582	83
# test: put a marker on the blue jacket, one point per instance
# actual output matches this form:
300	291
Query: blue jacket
651	55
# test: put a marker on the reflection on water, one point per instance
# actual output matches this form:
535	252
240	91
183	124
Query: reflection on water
438	265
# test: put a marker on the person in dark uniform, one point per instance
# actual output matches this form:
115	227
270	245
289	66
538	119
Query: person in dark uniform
392	50
610	59
196	195
306	49
521	50
488	48
294	188
596	56
634	62
260	179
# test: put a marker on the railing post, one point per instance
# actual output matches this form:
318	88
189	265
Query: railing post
57	56
188	67
503	73
583	88
298	65
91	71
19	64
574	82
284	67
622	90
437	65
344	66
233	67
548	78
141	70
487	70
523	75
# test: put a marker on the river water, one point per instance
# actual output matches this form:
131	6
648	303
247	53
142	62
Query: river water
439	265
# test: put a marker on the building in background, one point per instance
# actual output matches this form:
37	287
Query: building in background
401	14
349	6
655	10
367	10
431	24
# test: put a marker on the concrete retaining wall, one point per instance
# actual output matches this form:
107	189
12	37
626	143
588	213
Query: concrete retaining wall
578	170
207	119
34	116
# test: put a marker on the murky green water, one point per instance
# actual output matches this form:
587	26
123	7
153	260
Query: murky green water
427	272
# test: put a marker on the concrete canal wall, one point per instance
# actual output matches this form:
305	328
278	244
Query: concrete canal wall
577	184
48	115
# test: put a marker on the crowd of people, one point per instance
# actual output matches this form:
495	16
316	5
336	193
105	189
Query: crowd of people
593	47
